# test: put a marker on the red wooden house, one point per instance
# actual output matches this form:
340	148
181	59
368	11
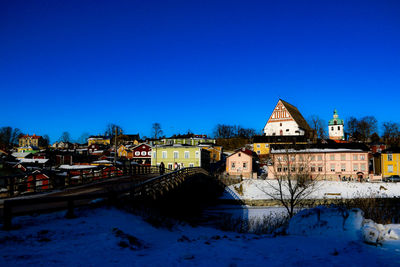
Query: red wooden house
142	154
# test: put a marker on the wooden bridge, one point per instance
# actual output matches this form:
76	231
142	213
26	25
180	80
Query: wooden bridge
144	182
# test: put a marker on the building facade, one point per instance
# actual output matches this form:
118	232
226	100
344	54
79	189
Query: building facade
286	120
180	156
390	160
99	140
336	127
242	164
322	162
31	140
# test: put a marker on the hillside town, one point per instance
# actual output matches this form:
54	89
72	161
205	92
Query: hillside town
287	142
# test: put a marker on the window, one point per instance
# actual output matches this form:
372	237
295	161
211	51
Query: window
332	128
390	157
332	157
338	128
258	145
355	157
332	167
164	154
362	157
137	153
280	124
233	165
287	130
170	166
312	168
320	168
343	167
144	153
279	169
149	153
197	154
343	157
362	166
186	154
244	165
312	158
319	157
258	152
301	168
390	168
176	154
191	165
355	167
292	169
292	158
239	155
266	145
285	169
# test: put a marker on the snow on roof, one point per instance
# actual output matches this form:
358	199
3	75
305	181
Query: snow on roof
315	150
20	154
102	161
41	161
76	167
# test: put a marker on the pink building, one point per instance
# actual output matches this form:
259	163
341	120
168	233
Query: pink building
325	162
242	163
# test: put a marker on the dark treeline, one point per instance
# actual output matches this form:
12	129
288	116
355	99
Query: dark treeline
233	131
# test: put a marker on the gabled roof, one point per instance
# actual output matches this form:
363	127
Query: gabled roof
296	115
245	151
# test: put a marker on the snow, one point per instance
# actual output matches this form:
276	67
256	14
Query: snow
76	167
41	161
261	189
107	236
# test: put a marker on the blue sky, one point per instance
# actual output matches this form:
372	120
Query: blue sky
78	65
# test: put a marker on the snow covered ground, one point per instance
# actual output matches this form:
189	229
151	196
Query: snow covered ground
107	236
259	189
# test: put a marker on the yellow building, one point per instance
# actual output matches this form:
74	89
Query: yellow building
215	151
262	144
100	140
30	140
390	159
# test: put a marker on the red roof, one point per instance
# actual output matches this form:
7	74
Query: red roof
34	136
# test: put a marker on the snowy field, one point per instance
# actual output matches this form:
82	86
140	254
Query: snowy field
259	189
110	237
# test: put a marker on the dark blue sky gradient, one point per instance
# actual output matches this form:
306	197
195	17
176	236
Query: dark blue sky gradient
78	65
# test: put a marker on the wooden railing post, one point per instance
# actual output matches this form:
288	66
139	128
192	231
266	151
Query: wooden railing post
34	182
11	186
7	215
81	176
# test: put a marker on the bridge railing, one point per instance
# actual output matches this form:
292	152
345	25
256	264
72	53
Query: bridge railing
43	181
144	188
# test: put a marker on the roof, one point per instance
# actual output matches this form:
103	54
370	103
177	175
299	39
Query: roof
296	115
331	147
20	154
336	120
34	136
245	151
280	139
41	161
391	150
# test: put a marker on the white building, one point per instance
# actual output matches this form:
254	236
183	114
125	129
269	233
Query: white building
336	127
286	120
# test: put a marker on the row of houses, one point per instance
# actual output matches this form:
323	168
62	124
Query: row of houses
290	144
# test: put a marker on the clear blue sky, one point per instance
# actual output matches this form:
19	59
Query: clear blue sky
78	65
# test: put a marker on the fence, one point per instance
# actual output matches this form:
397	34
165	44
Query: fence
149	188
39	181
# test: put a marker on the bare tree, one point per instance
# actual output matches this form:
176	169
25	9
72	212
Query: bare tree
111	128
352	125
293	182
46	140
65	137
367	126
391	133
318	125
156	130
83	138
9	136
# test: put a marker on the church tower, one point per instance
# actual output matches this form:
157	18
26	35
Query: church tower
336	127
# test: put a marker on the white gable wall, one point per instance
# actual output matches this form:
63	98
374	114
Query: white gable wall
288	128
